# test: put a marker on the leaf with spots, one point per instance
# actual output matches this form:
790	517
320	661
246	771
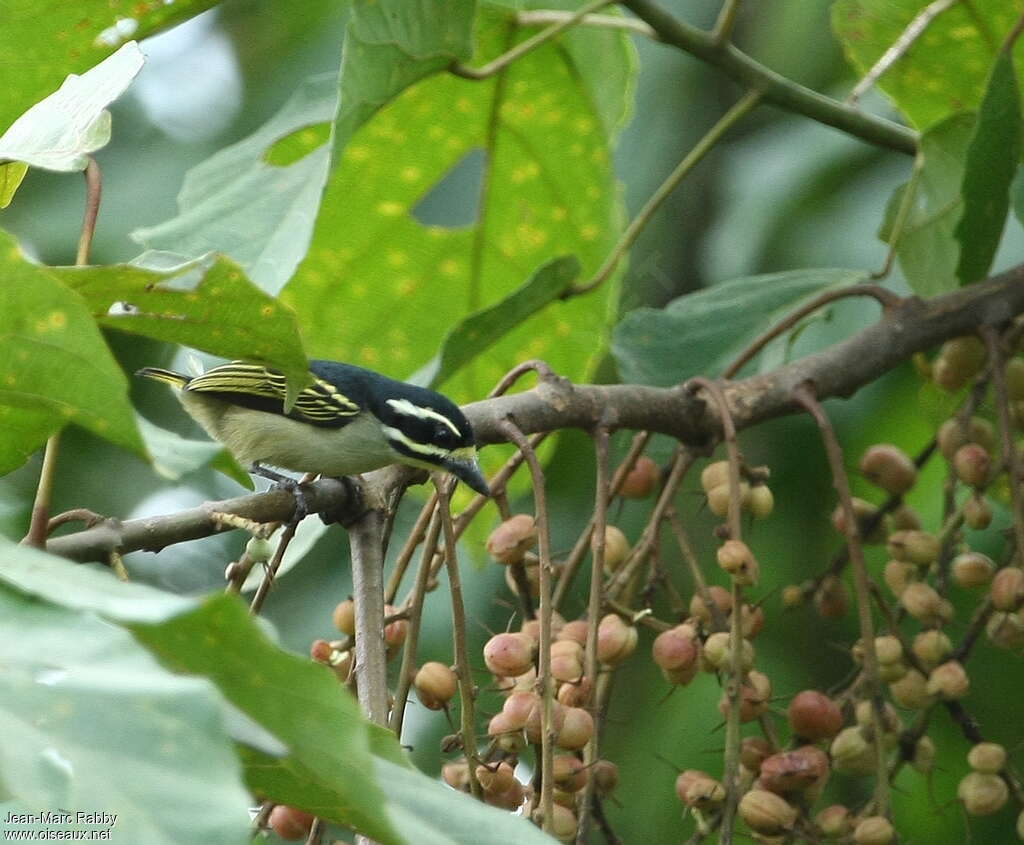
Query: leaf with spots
484	328
700	333
992	159
207	304
945	70
72	681
55	367
42	41
384	281
60	131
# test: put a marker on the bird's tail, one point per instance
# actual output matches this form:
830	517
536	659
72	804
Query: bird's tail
166	376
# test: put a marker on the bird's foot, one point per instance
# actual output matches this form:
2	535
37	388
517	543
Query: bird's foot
286	482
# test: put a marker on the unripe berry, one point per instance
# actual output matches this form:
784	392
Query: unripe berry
574	693
566	660
851	752
563	823
874	830
577	729
717	653
832	599
677	653
531	627
962	358
898	574
922	602
834	822
735	557
761	502
766	812
719	595
699	790
509	655
889	467
498	779
569	773
616	549
755	695
814	716
911	691
616	640
1006	630
1008	589
435	684
917	547
512	539
517	709
863	512
456	775
949	681
1020	826
345	617
640	482
1015	379
977	512
533	721
290	823
891	723
714	475
888	649
972	464
972	569
932	647
952	435
982	794
606	777
718	498
531	569
905	518
792	596
395	632
751	620
924	755
575	630
987	757
754	750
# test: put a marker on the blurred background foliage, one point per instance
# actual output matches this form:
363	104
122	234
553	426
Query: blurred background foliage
781	193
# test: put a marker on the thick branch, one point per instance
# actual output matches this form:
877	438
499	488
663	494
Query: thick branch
840	370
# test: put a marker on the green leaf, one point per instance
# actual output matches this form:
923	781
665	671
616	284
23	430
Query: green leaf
174	456
945	70
259	212
100	727
928	249
11	176
700	333
301	703
60	132
207	304
486	327
55	367
42	41
992	159
398	285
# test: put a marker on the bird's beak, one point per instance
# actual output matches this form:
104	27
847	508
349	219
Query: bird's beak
468	471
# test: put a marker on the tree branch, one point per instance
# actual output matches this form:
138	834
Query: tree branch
840	370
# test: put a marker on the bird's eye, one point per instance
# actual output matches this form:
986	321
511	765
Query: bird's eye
444	436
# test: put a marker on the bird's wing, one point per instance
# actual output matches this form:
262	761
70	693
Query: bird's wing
256	386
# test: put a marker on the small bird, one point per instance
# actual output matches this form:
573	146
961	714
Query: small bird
349	420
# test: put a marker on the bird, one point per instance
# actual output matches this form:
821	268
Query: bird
349	420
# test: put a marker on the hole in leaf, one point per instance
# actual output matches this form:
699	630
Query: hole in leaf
454	201
297	145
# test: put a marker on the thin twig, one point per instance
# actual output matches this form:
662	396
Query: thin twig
543	17
591	752
902	216
718	620
272	567
726	22
665	189
804	394
899	47
886	298
415	537
524	47
544	679
467	692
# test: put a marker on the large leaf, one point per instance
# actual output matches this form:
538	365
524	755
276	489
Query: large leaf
248	202
700	333
382	289
208	304
483	329
59	132
944	72
91	722
174	456
42	41
55	367
259	212
992	159
928	250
